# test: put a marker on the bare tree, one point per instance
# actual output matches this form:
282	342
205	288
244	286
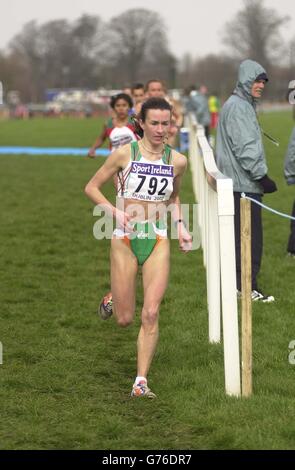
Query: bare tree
14	75
137	38
186	71
255	33
218	73
25	48
292	55
58	54
90	54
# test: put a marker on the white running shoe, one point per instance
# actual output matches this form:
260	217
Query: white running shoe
142	390
106	307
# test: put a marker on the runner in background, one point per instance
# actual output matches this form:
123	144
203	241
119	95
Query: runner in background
138	96
214	108
156	89
119	129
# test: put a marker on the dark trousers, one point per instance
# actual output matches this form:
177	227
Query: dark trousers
207	132
256	236
291	243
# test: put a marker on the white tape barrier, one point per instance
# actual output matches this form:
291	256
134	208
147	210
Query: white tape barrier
281	214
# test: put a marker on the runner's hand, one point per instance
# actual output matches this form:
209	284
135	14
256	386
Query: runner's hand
91	153
123	221
184	237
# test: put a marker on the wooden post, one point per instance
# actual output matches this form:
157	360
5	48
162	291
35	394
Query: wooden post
246	278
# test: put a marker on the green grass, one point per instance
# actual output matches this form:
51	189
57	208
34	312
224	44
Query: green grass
40	132
66	375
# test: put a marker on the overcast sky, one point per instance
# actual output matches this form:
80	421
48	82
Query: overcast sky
193	26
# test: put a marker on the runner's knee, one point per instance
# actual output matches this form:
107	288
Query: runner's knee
150	315
124	320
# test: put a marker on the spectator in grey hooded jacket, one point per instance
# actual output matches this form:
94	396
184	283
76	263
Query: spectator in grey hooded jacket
290	178
205	116
240	156
197	103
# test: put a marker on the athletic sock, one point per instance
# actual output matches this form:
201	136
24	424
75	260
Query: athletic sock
139	379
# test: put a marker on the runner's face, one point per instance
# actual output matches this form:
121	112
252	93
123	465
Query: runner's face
138	95
121	108
155	90
156	125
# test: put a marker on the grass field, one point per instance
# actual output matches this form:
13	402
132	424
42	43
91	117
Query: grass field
66	376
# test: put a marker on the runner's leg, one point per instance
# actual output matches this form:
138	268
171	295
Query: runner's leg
155	274
123	282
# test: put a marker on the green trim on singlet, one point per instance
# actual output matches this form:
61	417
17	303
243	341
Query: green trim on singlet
145	240
136	155
167	154
110	123
130	121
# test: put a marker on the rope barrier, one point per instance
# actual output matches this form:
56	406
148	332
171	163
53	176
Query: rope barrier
268	208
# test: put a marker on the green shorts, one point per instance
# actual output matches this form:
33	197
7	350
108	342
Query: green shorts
143	240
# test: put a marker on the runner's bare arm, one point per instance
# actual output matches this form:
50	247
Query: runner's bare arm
180	165
184	237
98	142
113	164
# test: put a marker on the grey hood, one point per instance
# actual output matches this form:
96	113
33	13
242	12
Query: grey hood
239	147
248	72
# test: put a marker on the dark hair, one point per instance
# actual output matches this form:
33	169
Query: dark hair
121	96
137	86
151	103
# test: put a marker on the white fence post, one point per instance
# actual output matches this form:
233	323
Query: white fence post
229	288
214	193
213	270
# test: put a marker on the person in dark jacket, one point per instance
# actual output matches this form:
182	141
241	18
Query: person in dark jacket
240	156
289	172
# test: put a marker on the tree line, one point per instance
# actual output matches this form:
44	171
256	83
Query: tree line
133	46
